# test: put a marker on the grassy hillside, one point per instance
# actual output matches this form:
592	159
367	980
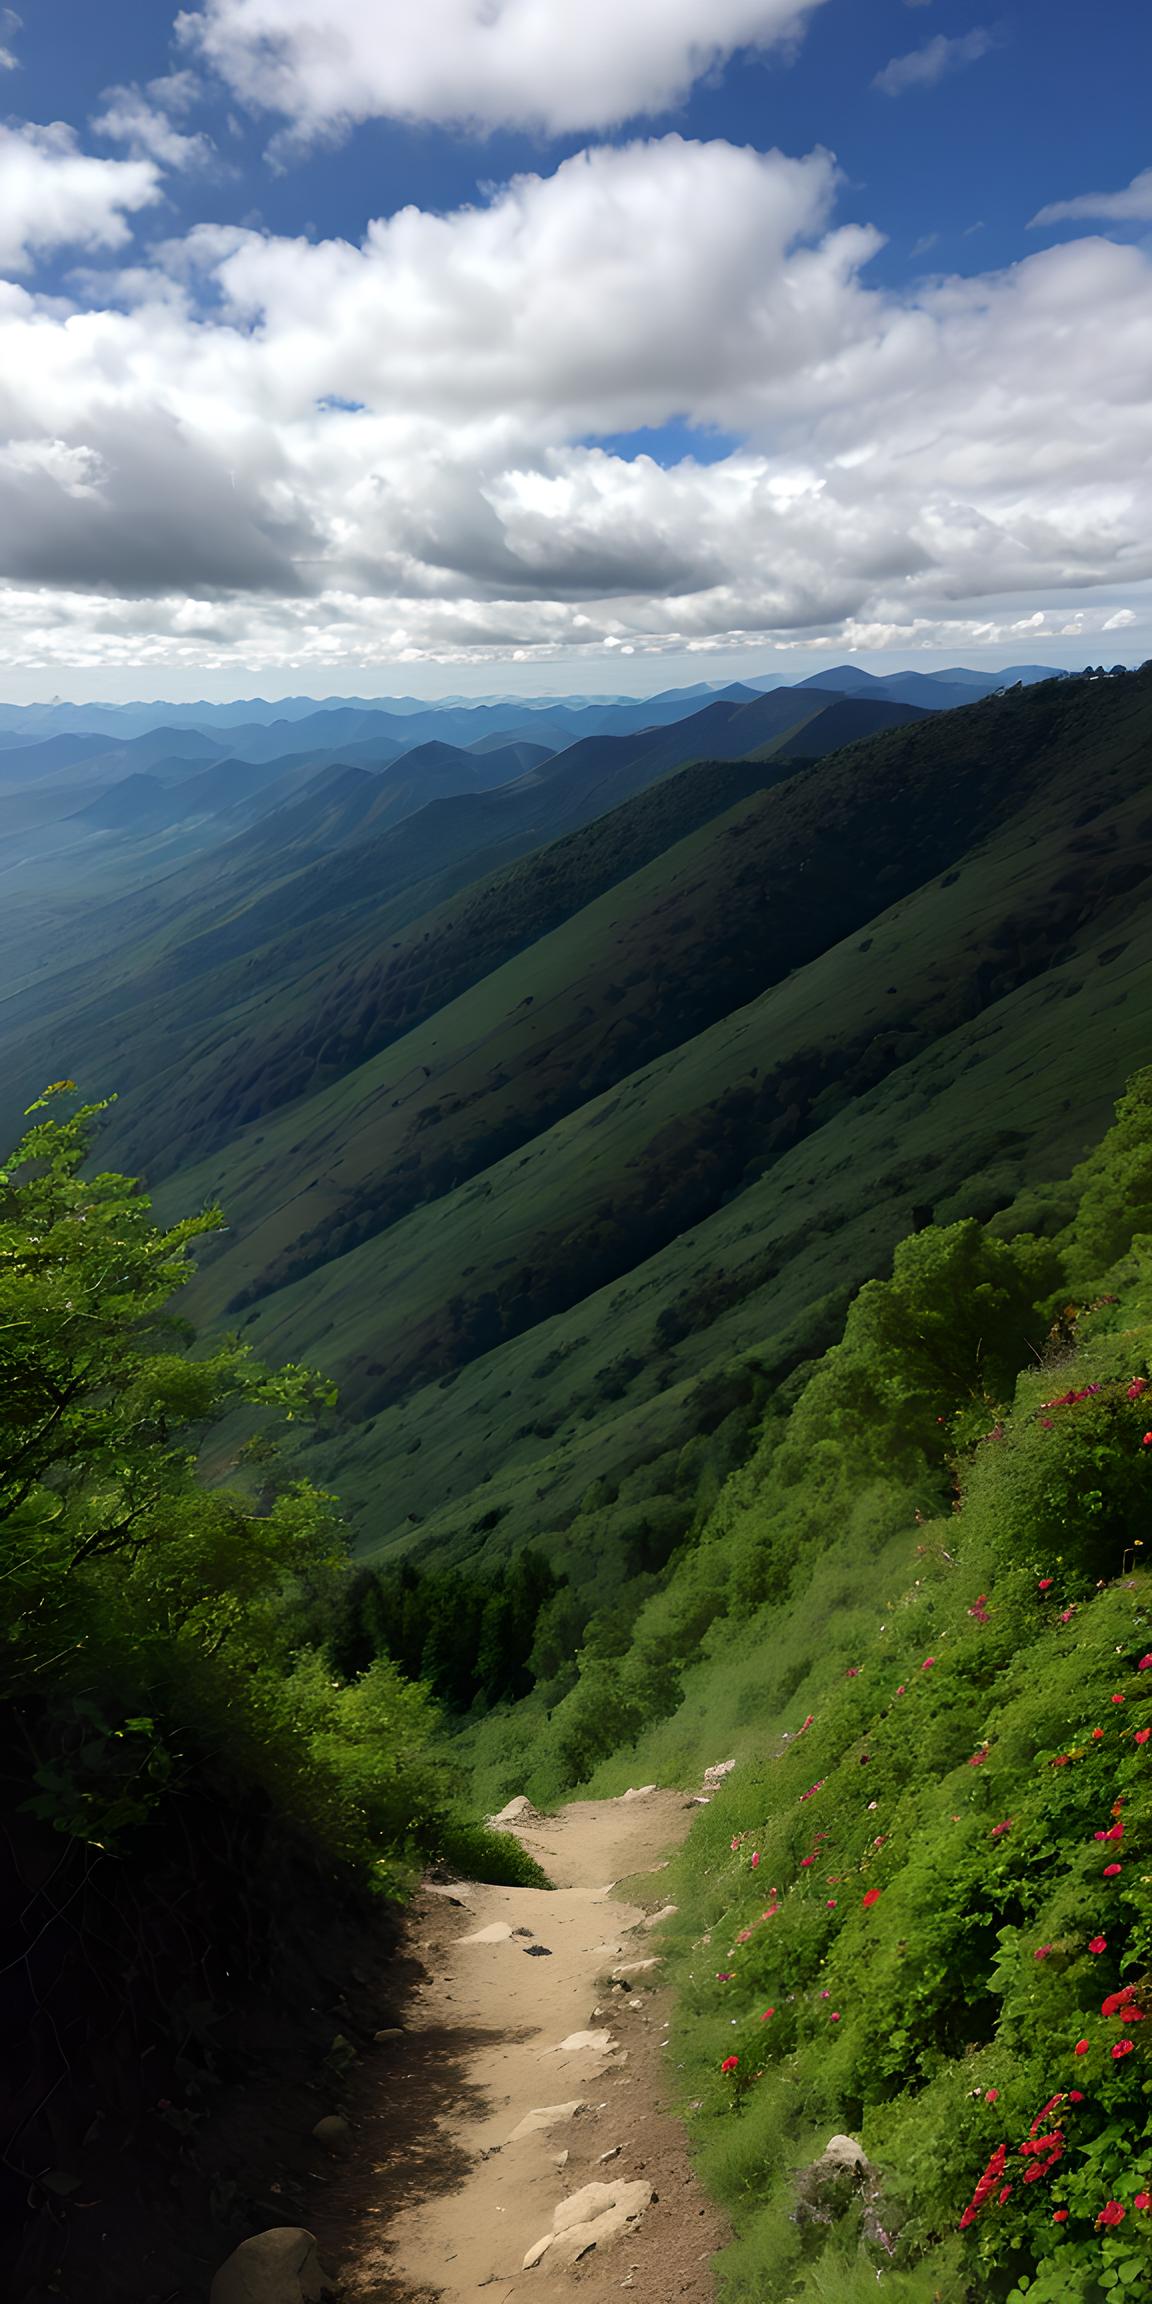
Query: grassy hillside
918	1622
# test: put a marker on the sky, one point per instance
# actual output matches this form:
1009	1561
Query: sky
354	345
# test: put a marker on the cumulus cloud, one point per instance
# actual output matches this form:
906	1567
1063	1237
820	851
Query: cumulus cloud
315	454
489	63
1132	205
924	67
142	119
52	195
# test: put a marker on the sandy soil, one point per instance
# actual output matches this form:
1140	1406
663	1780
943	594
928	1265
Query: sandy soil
434	2201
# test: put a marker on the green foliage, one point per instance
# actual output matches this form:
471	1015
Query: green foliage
471	1638
917	1617
156	1629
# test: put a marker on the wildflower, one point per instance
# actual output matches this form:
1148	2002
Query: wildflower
1113	2213
767	2016
1145	1664
1143	2200
900	1691
873	1897
853	1672
1059	2215
1111	1870
1116	1832
1097	1734
831	1903
1098	1944
730	2064
998	1830
1147	1440
1081	2048
1138	1385
1004	2195
825	1995
734	1844
1074	2096
1042	1951
993	2175
1121	2048
805	1861
1119	1699
978	1759
755	1863
834	2017
928	1663
1067	1616
724	1976
1045	1584
1063	1760
1142	1735
991	2095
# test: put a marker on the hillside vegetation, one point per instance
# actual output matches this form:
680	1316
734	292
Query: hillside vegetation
918	1913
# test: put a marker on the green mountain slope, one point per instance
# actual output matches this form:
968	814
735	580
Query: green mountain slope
575	1294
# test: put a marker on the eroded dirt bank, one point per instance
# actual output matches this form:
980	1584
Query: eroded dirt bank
438	2196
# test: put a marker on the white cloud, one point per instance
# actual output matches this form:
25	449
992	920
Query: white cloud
314	455
10	25
52	195
551	64
1131	206
141	118
924	67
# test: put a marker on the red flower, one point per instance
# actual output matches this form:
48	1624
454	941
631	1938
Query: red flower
1059	2215
730	2063
998	1830
1113	2214
1142	1735
1098	1944
1145	1664
834	2017
993	2175
1143	2200
1097	1734
1119	1699
805	1861
1041	1952
1074	2096
1045	1584
1081	2048
873	1897
831	1903
1121	2003
929	1661
1147	1440
1111	1870
853	1672
1138	1385
768	2015
1006	2194
1122	2048
978	1759
755	1862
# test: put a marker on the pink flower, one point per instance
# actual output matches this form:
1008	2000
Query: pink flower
1111	1871
755	1862
1067	1616
1143	2200
834	2017
730	2064
900	1691
1119	1699
853	1672
805	1861
1142	1735
1113	2213
1138	1385
831	1903
1081	2048
978	1759
1145	1664
991	2095
928	1664
998	1830
873	1897
1045	1584
1122	2048
1074	2096
1098	1944
1042	1952
767	2015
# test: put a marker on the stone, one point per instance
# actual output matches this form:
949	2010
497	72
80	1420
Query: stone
560	2159
498	1933
827	2187
589	2219
657	1919
717	1773
518	1811
639	1792
845	2152
545	2116
629	1968
333	2132
578	2042
390	2032
277	2267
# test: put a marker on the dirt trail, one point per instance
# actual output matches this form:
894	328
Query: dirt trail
439	2202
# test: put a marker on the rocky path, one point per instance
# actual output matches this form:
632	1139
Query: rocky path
522	2078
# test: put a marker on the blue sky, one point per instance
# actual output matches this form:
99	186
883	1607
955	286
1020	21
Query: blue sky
241	452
